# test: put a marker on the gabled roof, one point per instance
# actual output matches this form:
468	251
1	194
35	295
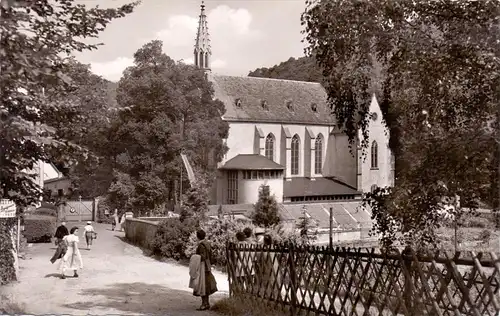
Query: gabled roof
316	187
268	100
251	162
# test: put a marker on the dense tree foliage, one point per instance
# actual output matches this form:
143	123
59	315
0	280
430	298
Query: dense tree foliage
300	69
36	107
441	79
91	175
195	202
266	212
167	108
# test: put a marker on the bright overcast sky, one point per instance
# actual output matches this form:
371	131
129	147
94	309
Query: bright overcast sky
244	34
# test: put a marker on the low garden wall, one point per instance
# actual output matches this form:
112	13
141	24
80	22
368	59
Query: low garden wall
140	232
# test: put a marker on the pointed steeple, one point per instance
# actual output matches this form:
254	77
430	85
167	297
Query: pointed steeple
202	50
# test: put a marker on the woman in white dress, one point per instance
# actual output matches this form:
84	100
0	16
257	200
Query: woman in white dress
72	260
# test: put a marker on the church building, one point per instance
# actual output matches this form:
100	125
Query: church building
282	134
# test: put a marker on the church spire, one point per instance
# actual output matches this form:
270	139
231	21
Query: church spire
202	50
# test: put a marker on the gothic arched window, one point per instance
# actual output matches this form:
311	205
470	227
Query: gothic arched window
201	60
374	155
269	150
318	155
295	154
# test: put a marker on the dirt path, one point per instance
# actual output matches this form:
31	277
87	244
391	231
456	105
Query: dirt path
117	279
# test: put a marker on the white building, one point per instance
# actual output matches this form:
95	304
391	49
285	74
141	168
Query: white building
282	134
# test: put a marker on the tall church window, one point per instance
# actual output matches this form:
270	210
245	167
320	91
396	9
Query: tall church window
295	154
318	155
269	149
374	155
201	60
232	187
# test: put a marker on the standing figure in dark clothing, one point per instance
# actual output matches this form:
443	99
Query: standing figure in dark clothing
61	231
248	235
208	286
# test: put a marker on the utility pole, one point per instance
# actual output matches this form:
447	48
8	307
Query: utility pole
80	208
181	165
331	229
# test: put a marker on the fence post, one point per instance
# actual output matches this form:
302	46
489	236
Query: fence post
330	234
228	257
293	281
408	279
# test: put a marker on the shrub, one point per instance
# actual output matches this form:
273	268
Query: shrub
45	211
39	228
221	231
7	269
479	222
485	235
266	211
281	236
172	237
496	219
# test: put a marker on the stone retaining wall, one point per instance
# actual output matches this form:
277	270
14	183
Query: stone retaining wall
140	232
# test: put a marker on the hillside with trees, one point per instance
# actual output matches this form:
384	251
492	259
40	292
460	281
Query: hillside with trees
300	69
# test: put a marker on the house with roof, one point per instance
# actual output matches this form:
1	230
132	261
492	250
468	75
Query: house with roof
282	135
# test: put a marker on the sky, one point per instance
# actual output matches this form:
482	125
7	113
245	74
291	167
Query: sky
245	35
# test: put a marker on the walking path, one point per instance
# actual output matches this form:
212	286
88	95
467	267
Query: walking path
116	279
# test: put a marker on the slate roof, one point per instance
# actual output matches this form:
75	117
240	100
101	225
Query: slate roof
346	215
301	186
246	210
251	162
277	94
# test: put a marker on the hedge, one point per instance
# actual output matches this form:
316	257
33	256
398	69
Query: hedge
7	269
45	211
39	228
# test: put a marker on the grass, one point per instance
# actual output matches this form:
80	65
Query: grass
469	239
10	307
238	306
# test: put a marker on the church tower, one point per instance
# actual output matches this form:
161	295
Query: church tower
202	51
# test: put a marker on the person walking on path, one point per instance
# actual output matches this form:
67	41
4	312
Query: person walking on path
114	220
60	251
206	280
89	233
72	260
61	231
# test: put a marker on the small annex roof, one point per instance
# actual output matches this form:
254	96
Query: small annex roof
253	99
320	186
251	162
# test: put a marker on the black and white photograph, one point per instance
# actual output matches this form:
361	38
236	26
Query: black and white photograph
250	157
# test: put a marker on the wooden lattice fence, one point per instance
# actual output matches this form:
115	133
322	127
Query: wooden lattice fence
342	281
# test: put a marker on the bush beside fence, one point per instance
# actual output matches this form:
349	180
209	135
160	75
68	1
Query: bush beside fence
7	251
340	281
